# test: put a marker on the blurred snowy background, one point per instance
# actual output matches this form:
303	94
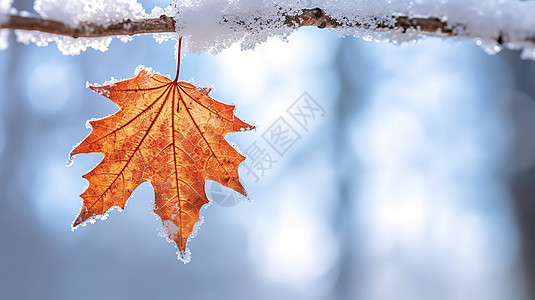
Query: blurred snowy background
418	182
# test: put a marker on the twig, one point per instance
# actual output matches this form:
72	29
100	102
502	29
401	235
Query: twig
127	27
308	17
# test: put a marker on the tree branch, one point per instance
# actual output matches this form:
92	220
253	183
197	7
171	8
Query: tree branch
127	27
308	17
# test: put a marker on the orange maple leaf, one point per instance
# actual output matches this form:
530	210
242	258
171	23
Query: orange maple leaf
166	132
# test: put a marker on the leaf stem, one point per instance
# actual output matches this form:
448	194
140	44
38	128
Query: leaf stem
178	59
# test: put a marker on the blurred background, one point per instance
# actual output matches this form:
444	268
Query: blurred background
413	179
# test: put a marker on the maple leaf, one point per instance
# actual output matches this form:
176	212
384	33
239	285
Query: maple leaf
166	132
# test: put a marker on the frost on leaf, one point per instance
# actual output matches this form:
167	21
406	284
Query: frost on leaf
169	133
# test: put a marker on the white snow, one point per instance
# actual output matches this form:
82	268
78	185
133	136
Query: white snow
149	70
213	25
4	35
484	19
5	6
67	45
74	12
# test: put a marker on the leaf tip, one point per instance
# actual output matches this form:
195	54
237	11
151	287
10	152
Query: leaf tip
102	90
248	128
77	222
141	70
205	90
74	152
184	255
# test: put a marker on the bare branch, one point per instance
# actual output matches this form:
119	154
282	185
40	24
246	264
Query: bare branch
127	27
308	17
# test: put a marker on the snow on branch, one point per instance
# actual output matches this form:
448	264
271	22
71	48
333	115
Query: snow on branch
309	17
214	25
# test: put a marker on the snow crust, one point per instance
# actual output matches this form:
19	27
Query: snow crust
213	25
67	45
75	12
5	6
250	22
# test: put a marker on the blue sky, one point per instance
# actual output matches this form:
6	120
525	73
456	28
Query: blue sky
414	142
